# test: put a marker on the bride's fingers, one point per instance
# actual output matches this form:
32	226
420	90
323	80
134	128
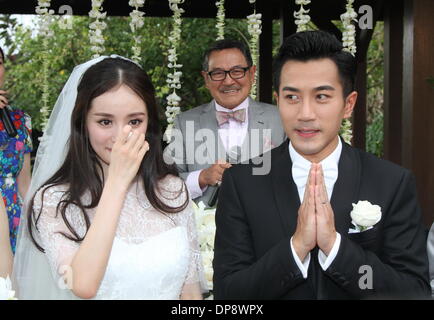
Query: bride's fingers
131	140
122	137
143	150
139	143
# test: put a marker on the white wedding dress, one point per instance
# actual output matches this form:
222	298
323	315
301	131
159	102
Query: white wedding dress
153	254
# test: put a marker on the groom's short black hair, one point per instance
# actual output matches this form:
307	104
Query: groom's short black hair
2	54
227	44
313	45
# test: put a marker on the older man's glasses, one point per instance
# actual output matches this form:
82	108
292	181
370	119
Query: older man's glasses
234	73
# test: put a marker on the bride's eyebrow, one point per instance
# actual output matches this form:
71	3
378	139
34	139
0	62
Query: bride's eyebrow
100	114
135	114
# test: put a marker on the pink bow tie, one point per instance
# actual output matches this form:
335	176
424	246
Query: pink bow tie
223	117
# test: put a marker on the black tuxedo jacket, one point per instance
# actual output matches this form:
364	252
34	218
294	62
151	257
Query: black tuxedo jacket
257	216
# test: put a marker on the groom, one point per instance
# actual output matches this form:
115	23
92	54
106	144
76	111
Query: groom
289	234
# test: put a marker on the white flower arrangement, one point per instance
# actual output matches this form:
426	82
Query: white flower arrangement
302	17
137	22
96	28
6	292
220	19
348	36
364	215
45	15
174	77
254	28
205	222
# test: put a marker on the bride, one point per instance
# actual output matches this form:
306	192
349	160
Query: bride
113	219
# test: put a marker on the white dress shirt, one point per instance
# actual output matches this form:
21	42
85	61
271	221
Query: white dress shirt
232	134
300	173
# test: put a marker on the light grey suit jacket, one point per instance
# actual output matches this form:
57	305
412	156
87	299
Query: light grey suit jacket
430	249
196	143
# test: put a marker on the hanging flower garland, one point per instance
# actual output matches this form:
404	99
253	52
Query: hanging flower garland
349	43
137	22
254	27
349	34
220	19
45	19
96	28
173	78
302	17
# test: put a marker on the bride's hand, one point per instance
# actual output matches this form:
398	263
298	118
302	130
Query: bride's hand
126	155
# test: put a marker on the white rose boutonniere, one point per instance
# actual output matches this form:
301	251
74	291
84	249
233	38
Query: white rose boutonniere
364	215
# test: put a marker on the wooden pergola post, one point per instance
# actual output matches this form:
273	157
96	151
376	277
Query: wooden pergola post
418	100
393	59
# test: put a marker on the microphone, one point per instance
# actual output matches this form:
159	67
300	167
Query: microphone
5	117
233	157
213	200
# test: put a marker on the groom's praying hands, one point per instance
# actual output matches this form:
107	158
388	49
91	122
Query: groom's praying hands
315	223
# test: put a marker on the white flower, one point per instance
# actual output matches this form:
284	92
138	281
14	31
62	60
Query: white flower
302	2
365	214
348	35
6	292
205	223
97	3
220	25
96	28
136	3
302	17
207	257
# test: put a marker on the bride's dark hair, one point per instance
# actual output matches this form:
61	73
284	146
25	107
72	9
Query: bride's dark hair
82	169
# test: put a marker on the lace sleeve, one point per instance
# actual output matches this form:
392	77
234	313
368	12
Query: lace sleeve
195	269
59	250
186	218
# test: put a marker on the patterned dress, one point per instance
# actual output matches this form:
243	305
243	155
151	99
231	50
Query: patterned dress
12	152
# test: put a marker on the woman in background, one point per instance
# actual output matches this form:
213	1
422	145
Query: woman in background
5	246
14	159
